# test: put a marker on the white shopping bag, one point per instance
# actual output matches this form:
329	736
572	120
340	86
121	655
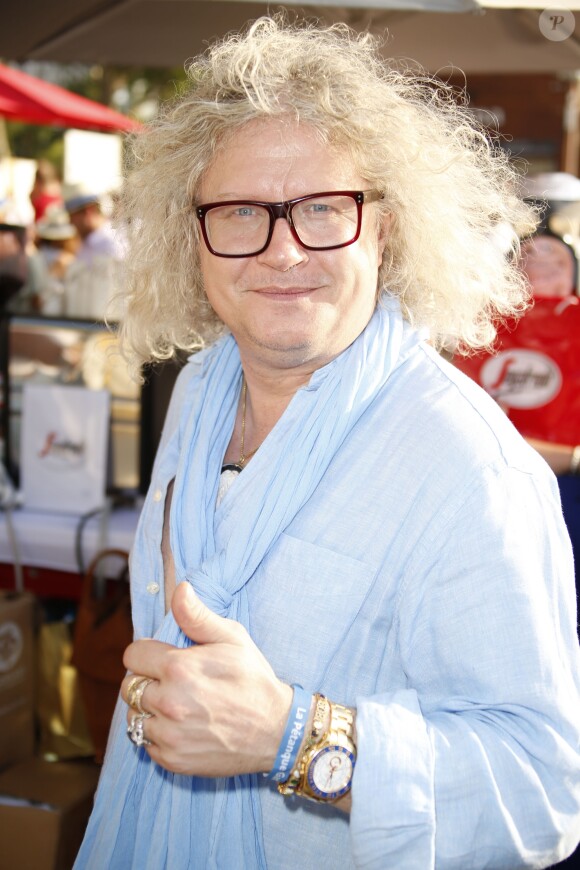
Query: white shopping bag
64	448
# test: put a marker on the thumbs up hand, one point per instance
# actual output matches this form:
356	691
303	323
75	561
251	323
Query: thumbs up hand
217	707
197	621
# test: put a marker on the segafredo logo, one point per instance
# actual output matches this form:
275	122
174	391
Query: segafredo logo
11	644
521	378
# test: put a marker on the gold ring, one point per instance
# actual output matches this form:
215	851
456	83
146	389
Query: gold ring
134	685
136	678
138	694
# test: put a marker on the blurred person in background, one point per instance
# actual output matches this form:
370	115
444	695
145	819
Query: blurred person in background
57	242
47	190
21	269
92	283
94	228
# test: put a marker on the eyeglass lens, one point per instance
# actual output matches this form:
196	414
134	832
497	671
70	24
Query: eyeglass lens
319	222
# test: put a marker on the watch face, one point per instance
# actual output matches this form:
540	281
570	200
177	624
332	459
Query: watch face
330	773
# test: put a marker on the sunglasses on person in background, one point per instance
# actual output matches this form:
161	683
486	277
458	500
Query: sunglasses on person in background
318	222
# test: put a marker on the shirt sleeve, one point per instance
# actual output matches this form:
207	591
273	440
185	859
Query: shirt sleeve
476	761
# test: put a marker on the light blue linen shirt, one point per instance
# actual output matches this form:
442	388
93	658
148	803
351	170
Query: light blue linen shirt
428	582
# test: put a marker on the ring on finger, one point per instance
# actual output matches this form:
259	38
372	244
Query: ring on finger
135	730
134	682
134	699
135	689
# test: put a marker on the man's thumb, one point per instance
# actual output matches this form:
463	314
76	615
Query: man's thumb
196	620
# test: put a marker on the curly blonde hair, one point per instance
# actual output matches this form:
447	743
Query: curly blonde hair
452	193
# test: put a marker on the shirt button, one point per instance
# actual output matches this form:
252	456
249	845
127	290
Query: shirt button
153	588
157	495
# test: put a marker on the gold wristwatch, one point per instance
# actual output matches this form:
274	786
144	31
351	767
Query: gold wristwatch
326	767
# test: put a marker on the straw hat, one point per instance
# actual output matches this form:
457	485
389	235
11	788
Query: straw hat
55	226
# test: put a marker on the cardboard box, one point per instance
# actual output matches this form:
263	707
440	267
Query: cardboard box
44	809
17	677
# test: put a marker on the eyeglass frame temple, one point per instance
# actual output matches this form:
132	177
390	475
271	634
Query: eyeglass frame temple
283	209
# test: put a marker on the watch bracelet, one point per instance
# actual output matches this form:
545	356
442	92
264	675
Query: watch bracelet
318	732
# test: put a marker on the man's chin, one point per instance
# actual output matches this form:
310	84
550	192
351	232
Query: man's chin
287	351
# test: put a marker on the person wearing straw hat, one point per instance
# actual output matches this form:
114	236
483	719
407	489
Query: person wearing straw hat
57	242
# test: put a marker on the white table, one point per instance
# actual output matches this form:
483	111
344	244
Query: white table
48	542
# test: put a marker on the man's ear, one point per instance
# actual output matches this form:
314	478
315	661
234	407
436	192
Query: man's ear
384	231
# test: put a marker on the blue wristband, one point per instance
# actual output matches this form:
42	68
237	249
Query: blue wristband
293	735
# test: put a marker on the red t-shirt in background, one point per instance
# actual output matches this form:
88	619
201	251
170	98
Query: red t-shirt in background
535	374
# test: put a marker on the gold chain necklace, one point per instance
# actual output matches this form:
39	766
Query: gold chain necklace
238	466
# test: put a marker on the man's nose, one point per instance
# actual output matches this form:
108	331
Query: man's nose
284	251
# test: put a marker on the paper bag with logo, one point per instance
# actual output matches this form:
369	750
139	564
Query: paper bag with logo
64	446
535	374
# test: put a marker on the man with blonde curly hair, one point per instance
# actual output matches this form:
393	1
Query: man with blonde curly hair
353	594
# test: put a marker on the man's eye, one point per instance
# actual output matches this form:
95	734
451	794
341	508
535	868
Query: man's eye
244	211
320	207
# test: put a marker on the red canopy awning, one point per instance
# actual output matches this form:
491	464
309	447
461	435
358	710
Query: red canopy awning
26	98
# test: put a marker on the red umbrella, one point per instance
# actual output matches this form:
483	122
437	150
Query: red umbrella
26	98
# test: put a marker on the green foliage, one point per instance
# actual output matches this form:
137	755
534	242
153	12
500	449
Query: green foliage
35	141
